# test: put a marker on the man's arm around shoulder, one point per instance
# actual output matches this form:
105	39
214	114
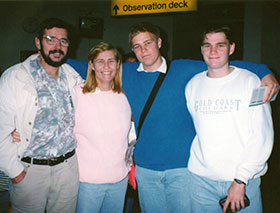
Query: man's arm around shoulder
266	76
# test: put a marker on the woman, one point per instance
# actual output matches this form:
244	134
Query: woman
102	123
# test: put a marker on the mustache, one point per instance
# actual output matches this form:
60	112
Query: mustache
56	51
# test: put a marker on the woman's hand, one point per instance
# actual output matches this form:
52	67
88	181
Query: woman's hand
16	136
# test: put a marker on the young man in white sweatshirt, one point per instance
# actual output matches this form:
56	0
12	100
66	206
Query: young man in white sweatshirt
233	141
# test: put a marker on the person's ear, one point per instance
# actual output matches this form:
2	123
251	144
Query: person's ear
118	64
91	65
231	48
38	43
159	41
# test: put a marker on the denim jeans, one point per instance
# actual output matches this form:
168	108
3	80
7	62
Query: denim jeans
163	191
105	198
206	193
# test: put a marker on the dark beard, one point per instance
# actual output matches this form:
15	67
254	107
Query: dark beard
49	61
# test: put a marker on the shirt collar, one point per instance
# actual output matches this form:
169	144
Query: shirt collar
35	64
162	68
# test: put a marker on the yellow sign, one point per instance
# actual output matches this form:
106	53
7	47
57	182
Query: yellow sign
133	7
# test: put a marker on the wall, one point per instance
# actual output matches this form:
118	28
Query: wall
270	42
14	39
182	29
188	27
253	32
270	55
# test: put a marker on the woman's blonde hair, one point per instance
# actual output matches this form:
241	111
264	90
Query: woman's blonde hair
91	83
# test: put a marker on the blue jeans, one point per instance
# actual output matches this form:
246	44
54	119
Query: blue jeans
163	191
101	197
206	193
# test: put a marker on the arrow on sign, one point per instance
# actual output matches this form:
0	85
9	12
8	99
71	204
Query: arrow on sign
116	8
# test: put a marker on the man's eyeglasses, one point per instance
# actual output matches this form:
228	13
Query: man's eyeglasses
52	40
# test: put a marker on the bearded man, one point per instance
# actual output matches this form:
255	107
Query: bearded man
37	99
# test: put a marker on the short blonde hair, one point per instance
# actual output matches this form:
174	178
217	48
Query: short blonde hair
91	83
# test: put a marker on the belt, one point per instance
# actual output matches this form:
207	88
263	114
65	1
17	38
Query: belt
50	161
